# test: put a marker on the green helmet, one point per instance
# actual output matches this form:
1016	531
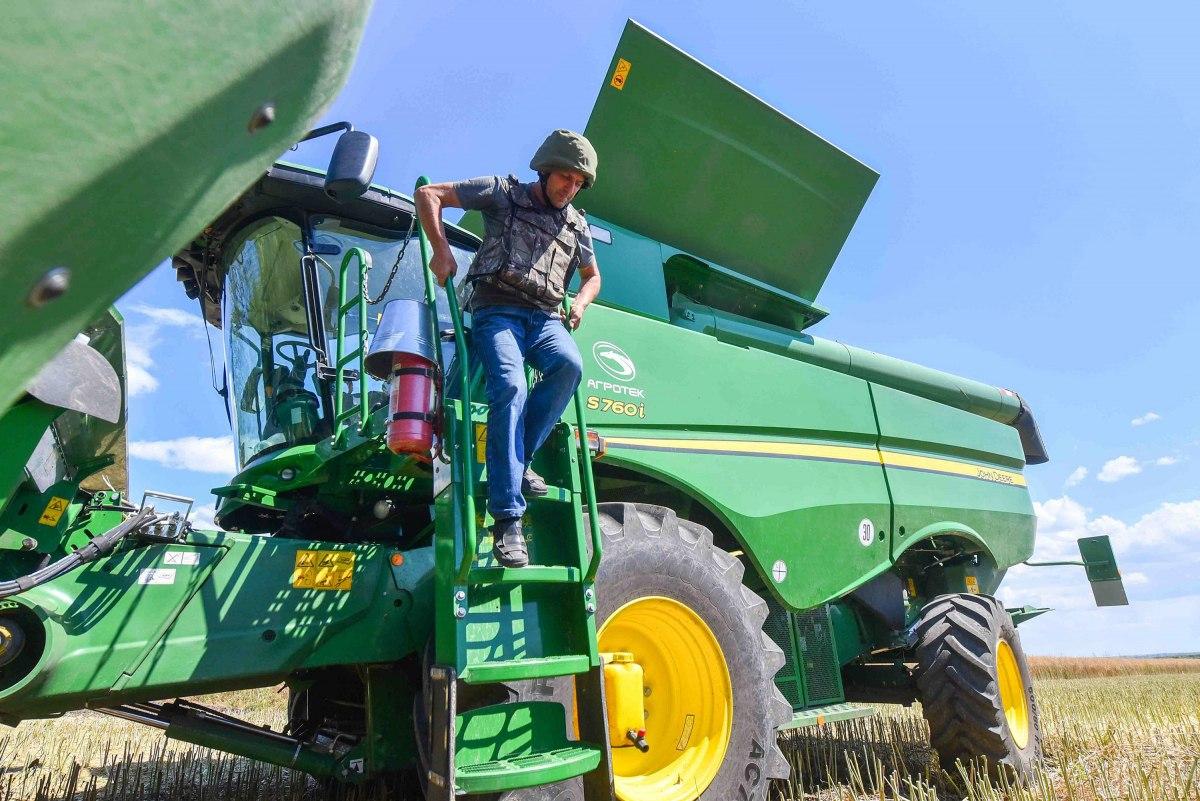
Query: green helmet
566	150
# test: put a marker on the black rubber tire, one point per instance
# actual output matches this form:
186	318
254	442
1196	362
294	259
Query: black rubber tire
957	637
649	550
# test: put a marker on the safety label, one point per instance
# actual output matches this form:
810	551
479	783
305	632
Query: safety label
53	511
972	585
480	443
157	575
620	74
181	558
323	570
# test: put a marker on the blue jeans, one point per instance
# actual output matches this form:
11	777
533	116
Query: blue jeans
504	338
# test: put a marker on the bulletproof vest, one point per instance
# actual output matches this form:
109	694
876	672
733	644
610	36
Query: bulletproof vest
533	255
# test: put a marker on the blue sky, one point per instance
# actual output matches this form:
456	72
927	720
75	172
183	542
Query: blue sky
1034	226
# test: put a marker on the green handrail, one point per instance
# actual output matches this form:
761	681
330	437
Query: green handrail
341	358
465	469
589	482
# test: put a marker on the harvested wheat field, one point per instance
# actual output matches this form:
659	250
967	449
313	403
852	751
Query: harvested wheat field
1113	729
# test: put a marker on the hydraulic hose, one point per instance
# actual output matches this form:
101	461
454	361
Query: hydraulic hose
99	546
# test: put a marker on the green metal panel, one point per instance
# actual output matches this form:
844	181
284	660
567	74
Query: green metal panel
693	160
129	140
783	451
989	499
224	615
631	265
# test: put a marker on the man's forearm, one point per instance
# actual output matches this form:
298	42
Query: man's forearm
429	210
588	290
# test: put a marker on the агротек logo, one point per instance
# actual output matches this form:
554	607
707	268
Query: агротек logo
614	361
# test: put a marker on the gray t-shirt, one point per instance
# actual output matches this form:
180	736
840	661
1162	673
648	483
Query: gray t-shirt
486	194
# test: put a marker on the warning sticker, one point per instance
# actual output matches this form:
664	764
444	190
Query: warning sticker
157	575
620	74
323	570
689	723
53	511
181	558
972	585
480	443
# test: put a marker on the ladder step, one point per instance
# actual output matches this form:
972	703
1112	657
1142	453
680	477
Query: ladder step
515	745
528	771
516	669
534	574
554	494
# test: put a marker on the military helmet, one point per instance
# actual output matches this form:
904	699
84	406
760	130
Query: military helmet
566	150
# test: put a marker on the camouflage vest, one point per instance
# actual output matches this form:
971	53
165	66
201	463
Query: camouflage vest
533	255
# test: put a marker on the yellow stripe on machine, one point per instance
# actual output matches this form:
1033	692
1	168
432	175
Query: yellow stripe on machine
832	453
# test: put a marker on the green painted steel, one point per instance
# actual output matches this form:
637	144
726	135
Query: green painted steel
137	135
830	713
220	612
510	746
342	359
668	130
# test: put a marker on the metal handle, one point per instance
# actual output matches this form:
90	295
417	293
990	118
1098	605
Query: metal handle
585	467
466	471
340	359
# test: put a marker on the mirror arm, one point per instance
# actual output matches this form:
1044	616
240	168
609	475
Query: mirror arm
324	130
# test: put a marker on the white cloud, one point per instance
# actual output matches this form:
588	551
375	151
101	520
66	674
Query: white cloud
1148	417
139	341
1119	468
1135	579
202	454
202	517
1077	475
143	337
166	315
1166	461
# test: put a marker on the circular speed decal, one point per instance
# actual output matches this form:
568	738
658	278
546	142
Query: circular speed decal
866	533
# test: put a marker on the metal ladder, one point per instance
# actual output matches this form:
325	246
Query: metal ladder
495	624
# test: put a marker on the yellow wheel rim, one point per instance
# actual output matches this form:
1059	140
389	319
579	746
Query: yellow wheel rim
1012	694
688	700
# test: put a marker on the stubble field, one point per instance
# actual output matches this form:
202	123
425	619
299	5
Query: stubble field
1113	729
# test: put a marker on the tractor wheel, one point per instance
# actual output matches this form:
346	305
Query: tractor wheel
669	596
674	600
975	686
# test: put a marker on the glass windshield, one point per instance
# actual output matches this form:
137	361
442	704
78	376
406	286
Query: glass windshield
272	367
276	398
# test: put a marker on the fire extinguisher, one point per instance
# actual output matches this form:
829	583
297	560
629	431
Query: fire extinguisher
412	415
403	350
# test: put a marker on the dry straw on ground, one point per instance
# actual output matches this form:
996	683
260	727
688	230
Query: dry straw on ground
1119	729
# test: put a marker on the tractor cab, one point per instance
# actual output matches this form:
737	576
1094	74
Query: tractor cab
267	273
280	319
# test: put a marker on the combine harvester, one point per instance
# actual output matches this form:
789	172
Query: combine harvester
759	529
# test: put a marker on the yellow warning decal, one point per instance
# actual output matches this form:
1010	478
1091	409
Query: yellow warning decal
620	74
972	585
53	511
323	570
480	443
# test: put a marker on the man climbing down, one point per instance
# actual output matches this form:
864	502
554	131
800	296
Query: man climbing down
534	241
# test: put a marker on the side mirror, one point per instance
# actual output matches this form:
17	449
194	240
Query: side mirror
1102	572
352	165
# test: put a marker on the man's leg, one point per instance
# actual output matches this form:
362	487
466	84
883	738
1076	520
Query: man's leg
553	353
498	337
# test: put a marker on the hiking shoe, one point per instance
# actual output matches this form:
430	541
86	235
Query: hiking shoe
508	543
533	484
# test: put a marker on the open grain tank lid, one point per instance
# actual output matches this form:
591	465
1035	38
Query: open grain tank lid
692	160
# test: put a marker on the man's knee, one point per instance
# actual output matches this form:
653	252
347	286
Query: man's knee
507	388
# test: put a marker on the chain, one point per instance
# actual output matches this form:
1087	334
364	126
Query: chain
395	267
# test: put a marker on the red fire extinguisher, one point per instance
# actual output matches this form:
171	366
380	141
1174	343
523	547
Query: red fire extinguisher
412	422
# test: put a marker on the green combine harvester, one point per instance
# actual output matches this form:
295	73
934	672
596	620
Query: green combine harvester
749	529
